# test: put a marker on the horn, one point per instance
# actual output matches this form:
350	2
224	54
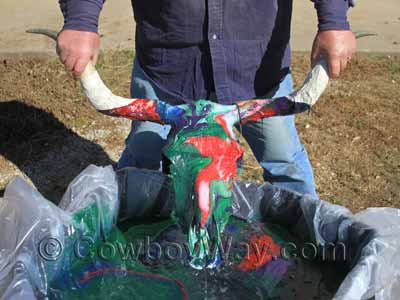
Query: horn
314	85
299	101
101	97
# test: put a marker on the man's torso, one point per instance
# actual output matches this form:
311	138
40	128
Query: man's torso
237	48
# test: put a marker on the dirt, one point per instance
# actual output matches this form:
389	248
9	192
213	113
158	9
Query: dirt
383	19
353	136
117	26
49	132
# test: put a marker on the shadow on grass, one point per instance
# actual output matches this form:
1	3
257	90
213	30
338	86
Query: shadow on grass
43	148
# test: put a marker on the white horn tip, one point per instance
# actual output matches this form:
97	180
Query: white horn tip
314	85
99	95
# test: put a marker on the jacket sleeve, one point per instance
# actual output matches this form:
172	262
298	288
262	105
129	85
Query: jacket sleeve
81	14
332	14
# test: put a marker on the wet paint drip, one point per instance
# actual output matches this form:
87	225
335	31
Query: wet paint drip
224	155
261	250
204	155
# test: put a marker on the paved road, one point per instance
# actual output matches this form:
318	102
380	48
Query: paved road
117	25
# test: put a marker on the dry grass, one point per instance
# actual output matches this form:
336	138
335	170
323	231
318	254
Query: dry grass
49	133
353	138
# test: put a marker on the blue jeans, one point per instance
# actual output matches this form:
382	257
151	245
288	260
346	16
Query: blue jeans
274	141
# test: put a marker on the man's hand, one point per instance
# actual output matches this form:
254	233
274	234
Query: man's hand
76	48
338	46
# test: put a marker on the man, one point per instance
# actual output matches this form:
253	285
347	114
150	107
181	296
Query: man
220	50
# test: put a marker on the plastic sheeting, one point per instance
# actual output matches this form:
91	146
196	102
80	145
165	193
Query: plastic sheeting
27	219
371	237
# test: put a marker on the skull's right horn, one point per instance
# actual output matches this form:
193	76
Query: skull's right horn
301	100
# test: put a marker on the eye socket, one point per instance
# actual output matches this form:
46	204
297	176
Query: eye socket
206	108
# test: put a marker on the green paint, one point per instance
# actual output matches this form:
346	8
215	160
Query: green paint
171	280
130	279
187	162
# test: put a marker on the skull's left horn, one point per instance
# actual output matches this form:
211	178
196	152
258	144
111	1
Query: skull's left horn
101	97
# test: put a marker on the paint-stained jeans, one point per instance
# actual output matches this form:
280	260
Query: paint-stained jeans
274	141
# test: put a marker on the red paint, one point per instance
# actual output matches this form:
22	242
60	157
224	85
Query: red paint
224	154
256	109
257	115
103	271
139	109
261	250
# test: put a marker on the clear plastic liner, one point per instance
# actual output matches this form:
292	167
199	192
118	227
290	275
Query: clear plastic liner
377	270
27	219
371	237
20	287
94	184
